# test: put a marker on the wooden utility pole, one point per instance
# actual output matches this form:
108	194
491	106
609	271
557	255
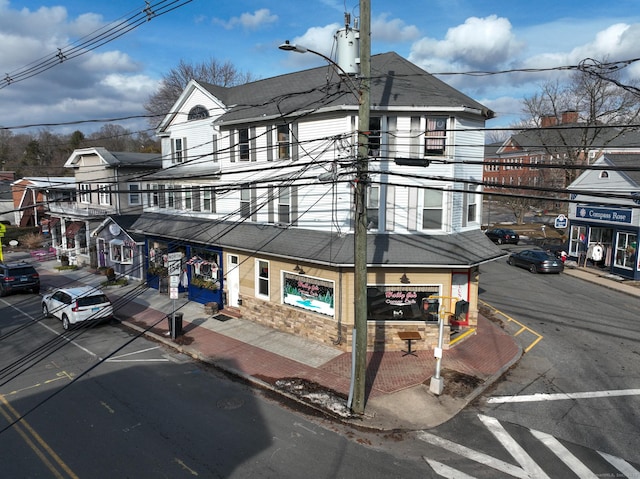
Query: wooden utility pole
360	231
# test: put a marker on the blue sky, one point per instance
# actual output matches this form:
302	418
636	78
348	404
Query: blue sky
444	37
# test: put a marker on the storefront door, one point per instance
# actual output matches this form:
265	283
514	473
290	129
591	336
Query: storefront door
233	279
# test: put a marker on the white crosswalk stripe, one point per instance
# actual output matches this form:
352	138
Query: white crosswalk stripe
623	466
564	455
528	468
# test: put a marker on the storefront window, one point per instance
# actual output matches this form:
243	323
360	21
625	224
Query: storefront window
626	247
205	271
399	303
158	258
578	243
121	251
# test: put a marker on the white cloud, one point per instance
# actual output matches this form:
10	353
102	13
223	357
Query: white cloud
479	44
394	30
249	21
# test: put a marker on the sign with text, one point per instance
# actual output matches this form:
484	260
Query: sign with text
611	215
174	264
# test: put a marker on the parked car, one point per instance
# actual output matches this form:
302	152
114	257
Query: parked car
503	236
536	261
16	277
77	305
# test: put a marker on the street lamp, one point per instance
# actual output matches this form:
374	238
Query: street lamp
360	227
292	47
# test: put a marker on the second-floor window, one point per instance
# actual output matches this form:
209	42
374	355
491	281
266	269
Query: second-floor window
435	136
134	194
188	198
152	194
245	203
284	149
472	205
243	144
171	196
85	193
284	205
104	194
208	200
373	207
432	210
178	150
374	136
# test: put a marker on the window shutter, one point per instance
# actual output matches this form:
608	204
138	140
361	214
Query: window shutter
233	145
390	208
412	213
270	205
270	132
294	142
253	152
294	206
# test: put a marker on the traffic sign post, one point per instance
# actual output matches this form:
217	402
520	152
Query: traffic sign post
174	267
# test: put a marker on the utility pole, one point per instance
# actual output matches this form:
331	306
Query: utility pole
360	231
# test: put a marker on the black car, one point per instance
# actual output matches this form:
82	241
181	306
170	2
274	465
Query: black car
503	236
537	261
16	277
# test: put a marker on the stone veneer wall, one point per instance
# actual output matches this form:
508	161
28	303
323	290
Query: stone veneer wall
322	329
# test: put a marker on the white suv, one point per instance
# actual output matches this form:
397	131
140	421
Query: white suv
76	305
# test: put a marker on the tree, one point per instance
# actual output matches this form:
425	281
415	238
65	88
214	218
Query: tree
598	111
174	82
565	124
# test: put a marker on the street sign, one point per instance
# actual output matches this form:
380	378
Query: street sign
561	221
173	293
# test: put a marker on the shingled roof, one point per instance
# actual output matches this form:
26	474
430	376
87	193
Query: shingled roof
461	250
395	82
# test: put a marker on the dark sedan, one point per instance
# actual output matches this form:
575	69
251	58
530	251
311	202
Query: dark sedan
503	236
536	261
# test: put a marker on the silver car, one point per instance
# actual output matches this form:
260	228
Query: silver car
77	305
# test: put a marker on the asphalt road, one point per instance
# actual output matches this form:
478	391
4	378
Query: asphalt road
101	403
590	345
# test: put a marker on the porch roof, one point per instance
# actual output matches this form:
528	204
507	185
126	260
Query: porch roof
459	250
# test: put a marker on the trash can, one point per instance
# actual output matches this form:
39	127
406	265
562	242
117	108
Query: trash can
175	325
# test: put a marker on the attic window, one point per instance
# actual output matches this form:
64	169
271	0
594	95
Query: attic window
198	112
604	174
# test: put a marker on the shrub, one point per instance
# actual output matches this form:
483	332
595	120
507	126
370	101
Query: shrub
31	240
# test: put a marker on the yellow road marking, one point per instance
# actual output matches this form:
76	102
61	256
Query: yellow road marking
462	336
28	433
60	375
522	329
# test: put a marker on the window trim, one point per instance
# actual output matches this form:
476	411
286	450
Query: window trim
425	208
434	135
85	193
104	194
262	281
134	193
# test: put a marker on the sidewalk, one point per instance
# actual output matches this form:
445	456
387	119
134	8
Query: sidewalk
398	395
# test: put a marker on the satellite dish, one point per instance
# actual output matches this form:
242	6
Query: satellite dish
114	229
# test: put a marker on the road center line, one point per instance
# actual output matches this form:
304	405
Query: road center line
563	396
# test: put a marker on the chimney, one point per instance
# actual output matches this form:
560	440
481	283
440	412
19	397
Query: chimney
569	116
548	120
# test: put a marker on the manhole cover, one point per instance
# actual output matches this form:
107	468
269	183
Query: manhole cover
230	403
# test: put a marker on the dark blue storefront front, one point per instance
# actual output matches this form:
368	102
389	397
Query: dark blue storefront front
200	273
607	238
